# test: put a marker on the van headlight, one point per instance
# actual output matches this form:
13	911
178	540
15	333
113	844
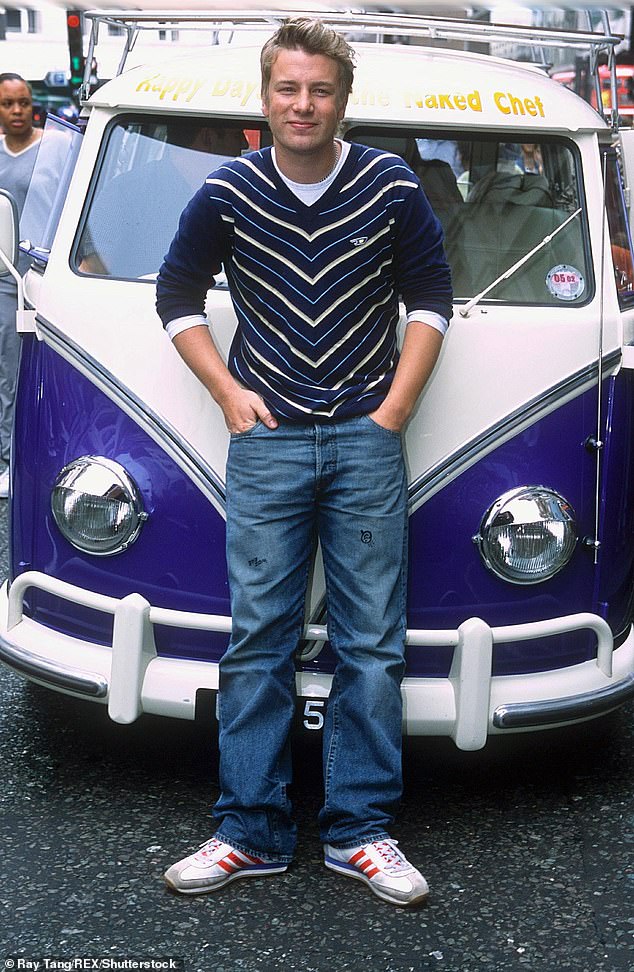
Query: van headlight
527	535
97	505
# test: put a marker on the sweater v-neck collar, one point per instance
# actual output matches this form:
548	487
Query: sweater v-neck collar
294	202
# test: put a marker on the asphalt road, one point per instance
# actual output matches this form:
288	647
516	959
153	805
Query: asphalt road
528	847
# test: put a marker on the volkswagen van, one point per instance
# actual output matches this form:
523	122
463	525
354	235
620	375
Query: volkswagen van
520	452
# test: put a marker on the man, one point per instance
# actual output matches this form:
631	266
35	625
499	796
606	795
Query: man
18	152
317	237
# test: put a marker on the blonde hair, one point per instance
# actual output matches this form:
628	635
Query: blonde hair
314	37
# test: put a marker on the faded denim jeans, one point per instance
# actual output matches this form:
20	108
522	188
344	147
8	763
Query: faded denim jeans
345	483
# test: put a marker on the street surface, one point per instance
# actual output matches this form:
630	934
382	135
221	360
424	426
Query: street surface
528	847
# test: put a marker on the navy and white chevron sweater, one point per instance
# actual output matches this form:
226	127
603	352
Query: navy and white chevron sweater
315	288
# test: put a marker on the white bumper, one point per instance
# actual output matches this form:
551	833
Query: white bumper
468	705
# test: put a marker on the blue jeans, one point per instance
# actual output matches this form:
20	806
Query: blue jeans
345	484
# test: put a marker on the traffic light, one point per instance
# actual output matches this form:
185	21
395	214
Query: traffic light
75	47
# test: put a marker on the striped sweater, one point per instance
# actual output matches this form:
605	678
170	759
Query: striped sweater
315	288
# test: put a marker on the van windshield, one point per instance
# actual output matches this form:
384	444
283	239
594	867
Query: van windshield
148	174
497	201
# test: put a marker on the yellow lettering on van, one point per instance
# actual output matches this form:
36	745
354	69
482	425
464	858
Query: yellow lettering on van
461	102
184	86
366	98
370	98
168	87
181	88
234	89
175	87
248	91
146	85
220	88
509	104
197	86
540	106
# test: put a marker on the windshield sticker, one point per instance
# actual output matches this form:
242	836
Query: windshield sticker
565	282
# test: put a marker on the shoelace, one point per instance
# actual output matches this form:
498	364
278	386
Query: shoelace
208	848
394	860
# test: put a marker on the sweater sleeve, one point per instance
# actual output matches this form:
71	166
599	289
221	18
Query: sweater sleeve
421	271
196	253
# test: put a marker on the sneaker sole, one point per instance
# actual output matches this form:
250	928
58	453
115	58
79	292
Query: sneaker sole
379	892
247	872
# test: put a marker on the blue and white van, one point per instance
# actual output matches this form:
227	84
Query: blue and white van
520	452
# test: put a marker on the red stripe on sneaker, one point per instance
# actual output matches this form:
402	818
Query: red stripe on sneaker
363	863
231	863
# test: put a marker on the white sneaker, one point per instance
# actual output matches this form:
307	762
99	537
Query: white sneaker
4	484
384	869
214	865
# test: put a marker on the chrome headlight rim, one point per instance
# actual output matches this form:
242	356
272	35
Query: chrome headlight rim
493	518
89	466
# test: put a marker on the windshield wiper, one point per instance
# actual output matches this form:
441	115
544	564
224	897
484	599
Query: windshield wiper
464	311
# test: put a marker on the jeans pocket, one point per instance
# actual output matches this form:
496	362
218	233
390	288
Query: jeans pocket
242	435
381	428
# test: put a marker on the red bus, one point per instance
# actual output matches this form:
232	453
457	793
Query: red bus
584	86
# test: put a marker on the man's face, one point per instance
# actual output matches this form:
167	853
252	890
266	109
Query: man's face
16	108
302	103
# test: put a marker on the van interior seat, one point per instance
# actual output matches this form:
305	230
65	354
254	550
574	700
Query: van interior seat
486	238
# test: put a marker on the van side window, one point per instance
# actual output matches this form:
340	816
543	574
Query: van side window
49	185
497	201
620	237
148	173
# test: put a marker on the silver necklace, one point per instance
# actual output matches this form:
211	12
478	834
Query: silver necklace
337	149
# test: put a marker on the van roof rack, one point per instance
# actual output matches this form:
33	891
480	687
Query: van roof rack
373	24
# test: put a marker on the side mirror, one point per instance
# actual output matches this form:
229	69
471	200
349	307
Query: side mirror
8	231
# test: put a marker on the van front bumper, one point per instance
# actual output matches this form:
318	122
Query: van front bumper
468	705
